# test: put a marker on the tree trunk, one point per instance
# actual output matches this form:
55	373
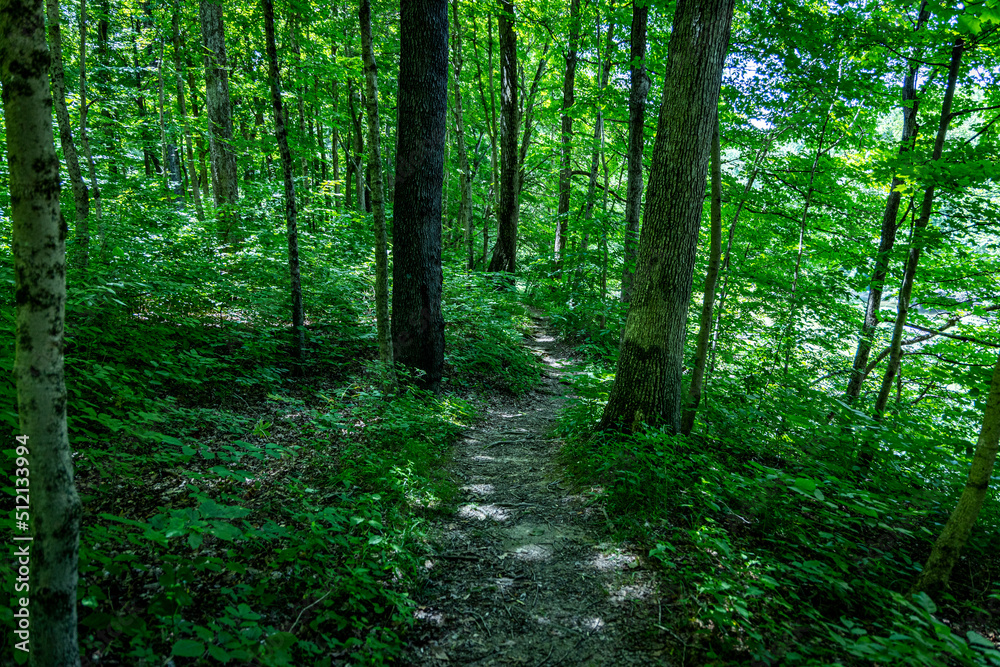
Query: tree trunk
359	149
418	325
465	174
84	132
887	238
505	251
38	246
528	114
287	167
171	163
81	199
378	190
934	577
647	385
566	135
225	176
182	109
490	112
711	278
636	118
335	139
903	300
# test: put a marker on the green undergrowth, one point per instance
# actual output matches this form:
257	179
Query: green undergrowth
241	507
777	548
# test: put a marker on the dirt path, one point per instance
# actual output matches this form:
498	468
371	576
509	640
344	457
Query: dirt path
526	573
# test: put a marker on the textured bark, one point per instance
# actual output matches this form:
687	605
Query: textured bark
182	109
81	199
934	577
465	173
566	136
647	387
291	224
418	325
505	251
711	278
636	118
378	190
225	177
887	238
38	246
913	258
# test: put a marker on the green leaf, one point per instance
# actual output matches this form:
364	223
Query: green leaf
188	648
806	484
978	639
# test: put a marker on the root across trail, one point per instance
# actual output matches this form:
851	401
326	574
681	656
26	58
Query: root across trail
525	571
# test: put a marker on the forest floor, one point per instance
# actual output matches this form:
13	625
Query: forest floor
526	570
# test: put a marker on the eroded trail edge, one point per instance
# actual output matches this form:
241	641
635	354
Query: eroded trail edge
525	571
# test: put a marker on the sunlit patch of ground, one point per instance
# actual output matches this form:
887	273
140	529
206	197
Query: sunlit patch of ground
614	560
428	616
483	512
479	489
533	552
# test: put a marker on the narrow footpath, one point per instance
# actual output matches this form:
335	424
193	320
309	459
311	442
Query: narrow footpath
525	571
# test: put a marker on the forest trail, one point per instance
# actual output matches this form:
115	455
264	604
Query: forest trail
526	573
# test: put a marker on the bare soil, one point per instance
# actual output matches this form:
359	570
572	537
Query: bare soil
525	571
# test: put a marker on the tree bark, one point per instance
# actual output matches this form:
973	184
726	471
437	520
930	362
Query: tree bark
38	247
182	109
171	163
647	387
934	577
418	325
291	225
887	238
81	199
85	133
378	190
505	251
903	300
636	118
566	136
465	173
711	278
225	183
359	149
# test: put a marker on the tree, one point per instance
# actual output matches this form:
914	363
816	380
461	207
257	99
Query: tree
465	172
934	577
636	118
505	251
566	134
647	386
378	196
179	64
38	247
81	198
291	224
418	324
225	183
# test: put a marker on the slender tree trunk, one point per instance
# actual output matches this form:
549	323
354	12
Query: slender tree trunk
934	577
490	111
647	387
171	163
359	149
85	132
225	176
636	119
203	179
182	109
81	199
566	136
335	138
711	278
288	169
378	198
903	300
417	322
528	115
890	224
38	247
465	173
505	251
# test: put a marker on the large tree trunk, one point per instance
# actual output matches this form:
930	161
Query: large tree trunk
711	278
418	325
636	119
887	238
378	190
934	577
81	199
465	174
566	135
647	385
903	300
182	109
225	176
505	251
38	246
287	168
